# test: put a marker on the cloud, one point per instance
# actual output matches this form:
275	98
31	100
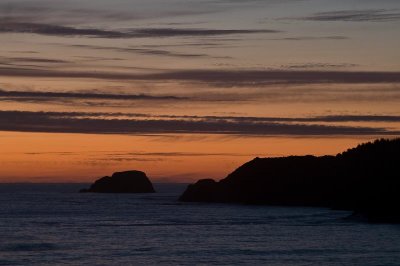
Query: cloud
91	123
222	77
254	119
78	12
172	32
370	15
162	156
201	44
39	11
311	38
10	26
238	119
97	58
116	154
146	51
31	60
355	118
318	66
56	30
48	96
168	53
173	154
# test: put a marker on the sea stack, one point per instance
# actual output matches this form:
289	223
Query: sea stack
122	182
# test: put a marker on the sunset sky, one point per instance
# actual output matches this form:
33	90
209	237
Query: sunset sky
189	89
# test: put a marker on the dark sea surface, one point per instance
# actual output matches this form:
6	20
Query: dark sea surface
54	225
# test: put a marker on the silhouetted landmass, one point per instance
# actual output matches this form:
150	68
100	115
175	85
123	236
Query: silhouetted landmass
122	182
365	179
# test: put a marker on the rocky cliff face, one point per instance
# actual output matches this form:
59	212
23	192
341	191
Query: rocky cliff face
122	182
365	179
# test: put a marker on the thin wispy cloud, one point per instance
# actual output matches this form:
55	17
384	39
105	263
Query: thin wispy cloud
318	66
173	154
370	15
255	119
147	50
39	11
312	38
175	32
128	155
355	118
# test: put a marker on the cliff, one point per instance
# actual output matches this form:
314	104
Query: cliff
365	179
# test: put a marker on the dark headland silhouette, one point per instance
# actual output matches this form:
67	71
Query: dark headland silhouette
122	182
365	179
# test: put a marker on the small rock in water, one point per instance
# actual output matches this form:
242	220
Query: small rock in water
122	182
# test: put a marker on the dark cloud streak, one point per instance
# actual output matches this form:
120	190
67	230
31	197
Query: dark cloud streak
73	123
172	32
32	60
55	30
69	31
38	95
371	15
318	66
145	51
223	77
311	38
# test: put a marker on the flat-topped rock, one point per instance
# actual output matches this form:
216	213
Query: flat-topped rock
122	182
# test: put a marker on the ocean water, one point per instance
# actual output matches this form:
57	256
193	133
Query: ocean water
54	225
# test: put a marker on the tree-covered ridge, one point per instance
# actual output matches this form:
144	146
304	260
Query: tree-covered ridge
365	179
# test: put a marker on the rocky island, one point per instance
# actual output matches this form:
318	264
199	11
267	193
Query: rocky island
122	182
365	179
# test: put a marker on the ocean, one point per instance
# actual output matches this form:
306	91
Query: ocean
52	224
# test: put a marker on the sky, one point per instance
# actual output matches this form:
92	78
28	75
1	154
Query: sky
190	89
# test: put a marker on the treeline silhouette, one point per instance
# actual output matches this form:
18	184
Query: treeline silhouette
365	179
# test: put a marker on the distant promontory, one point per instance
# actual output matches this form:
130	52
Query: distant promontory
365	179
122	182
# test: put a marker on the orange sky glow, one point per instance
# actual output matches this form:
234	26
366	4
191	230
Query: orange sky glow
190	89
